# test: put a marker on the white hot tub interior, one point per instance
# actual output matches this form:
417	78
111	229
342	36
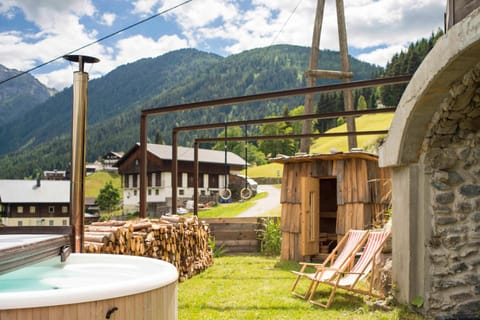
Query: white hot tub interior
82	278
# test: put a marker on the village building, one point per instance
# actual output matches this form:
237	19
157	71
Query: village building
325	195
212	178
110	159
35	202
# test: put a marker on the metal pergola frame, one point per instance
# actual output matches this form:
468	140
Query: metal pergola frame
240	99
253	138
330	115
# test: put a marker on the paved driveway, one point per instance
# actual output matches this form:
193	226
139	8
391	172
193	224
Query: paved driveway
264	205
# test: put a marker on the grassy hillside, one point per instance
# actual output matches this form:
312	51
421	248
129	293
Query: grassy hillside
380	121
97	180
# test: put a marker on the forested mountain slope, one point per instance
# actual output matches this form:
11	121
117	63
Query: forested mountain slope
40	139
19	95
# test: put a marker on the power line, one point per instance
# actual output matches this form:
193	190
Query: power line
285	23
97	41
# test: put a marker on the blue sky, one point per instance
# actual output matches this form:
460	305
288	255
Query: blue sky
36	31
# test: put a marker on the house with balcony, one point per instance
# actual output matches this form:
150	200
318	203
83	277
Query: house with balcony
212	178
35	202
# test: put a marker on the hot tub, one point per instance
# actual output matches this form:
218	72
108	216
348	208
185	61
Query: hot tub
91	286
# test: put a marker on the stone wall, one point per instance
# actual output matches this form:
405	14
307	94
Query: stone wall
452	159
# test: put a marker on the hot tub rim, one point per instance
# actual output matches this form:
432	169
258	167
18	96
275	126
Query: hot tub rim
167	275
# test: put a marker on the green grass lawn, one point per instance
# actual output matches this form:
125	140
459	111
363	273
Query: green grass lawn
258	287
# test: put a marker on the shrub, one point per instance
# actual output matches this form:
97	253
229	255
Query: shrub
270	236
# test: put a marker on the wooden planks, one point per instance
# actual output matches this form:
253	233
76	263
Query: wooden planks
236	235
160	303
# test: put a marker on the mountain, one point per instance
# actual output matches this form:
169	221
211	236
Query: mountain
19	95
40	138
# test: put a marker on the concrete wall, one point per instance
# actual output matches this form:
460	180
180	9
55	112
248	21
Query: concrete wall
434	149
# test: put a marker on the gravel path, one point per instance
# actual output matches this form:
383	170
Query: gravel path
264	205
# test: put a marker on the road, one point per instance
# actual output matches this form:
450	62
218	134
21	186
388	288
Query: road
264	205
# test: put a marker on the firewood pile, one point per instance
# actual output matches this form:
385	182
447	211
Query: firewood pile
181	241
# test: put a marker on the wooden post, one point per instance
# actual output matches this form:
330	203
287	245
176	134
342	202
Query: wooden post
312	74
347	93
311	81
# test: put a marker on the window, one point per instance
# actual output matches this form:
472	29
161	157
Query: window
134	180
149	192
134	192
64	222
190	180
157	192
149	179
20	223
51	209
50	223
181	192
200	180
213	180
32	209
180	179
20	209
64	209
158	179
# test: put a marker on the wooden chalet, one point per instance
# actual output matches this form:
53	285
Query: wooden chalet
35	203
325	195
110	159
159	171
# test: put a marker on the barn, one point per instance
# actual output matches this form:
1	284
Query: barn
325	195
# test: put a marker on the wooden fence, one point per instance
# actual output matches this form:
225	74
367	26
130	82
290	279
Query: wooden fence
236	235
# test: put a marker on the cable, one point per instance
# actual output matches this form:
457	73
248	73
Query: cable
285	23
97	41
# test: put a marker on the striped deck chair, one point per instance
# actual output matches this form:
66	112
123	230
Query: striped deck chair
348	280
336	261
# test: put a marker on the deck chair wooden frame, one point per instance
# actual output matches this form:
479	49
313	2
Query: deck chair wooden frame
348	280
338	260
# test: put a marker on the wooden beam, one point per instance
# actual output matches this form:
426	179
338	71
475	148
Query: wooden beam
329	74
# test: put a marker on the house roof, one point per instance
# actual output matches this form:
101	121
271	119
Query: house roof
325	156
187	154
113	153
26	191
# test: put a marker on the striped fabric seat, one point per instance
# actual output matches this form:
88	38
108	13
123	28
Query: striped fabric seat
338	260
348	279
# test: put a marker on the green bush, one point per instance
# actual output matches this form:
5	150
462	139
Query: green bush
270	236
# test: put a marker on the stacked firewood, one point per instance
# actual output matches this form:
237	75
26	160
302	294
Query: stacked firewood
181	241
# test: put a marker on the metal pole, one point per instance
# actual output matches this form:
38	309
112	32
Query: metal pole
295	136
195	179
174	171
77	195
277	94
78	152
143	166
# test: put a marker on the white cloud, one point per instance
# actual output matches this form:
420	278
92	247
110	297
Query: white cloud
108	18
381	56
48	15
220	26
144	6
137	47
